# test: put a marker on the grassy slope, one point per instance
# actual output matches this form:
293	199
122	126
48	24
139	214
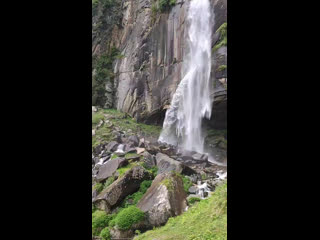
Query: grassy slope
206	220
121	120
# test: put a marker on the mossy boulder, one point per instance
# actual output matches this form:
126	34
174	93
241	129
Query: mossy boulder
164	199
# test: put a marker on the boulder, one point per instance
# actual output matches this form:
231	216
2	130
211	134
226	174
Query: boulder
152	149
141	143
164	199
109	168
168	151
121	234
140	150
122	187
112	146
135	157
166	164
134	139
200	157
148	159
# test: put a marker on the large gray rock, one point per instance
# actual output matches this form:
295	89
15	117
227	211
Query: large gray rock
134	140
109	168
166	164
121	234
164	199
148	159
112	146
200	157
122	187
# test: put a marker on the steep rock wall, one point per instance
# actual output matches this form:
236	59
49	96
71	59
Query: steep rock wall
152	46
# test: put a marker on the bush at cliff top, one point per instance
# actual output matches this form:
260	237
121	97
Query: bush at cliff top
127	217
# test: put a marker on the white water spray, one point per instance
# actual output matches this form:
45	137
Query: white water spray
191	101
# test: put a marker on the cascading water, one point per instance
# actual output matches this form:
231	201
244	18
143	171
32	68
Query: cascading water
191	101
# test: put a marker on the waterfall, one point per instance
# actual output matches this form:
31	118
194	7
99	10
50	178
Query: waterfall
191	101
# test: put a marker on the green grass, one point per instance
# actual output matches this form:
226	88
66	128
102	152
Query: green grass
124	122
109	181
193	200
96	117
114	156
123	170
206	220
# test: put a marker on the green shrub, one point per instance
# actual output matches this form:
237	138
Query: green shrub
145	185
153	170
192	200
112	223
186	183
109	181
134	198
98	187
99	221
105	234
123	170
166	4
128	216
114	156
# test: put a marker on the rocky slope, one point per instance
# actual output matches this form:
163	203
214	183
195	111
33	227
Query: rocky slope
147	67
138	183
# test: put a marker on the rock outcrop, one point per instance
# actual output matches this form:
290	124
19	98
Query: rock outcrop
122	187
164	199
152	49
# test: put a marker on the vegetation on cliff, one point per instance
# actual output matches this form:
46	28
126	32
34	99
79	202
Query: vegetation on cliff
223	37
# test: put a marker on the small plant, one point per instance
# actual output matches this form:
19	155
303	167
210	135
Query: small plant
105	234
134	198
123	170
192	200
186	183
166	4
168	183
99	221
114	156
128	216
221	68
109	181
98	187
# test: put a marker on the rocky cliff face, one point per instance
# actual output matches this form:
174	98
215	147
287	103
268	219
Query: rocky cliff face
151	42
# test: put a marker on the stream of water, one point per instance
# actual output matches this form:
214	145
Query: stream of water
191	101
